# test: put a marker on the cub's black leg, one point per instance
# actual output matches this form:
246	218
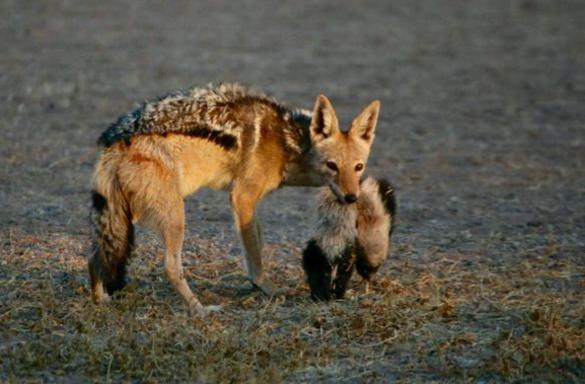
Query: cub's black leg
318	270
362	264
344	272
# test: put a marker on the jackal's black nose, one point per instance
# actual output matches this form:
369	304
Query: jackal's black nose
350	198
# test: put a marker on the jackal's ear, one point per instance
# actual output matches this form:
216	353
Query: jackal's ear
364	125
324	120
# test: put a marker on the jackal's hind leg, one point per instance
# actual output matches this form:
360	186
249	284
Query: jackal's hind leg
172	229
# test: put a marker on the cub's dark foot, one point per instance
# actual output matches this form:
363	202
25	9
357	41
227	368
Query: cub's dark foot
318	270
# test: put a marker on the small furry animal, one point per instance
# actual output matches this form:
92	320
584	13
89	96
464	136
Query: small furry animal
349	235
222	137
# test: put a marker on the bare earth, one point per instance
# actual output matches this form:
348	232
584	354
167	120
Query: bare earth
482	132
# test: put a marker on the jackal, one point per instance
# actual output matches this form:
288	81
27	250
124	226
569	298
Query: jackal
222	137
349	236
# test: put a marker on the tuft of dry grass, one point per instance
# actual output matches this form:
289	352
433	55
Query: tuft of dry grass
443	322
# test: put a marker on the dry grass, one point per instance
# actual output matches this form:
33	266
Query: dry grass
448	321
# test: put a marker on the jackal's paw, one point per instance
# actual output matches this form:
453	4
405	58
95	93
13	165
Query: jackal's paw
101	299
206	310
196	308
266	286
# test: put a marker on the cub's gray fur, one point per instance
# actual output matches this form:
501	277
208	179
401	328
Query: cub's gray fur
348	236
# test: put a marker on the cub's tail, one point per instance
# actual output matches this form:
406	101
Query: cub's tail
386	192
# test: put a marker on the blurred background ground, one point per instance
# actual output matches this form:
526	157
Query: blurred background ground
482	132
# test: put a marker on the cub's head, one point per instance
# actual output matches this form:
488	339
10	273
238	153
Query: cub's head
338	157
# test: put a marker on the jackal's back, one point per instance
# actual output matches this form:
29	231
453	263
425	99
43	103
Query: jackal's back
220	114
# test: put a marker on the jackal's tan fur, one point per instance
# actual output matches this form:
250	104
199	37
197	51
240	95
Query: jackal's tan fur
224	137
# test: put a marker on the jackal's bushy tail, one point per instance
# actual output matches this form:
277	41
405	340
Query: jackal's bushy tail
113	238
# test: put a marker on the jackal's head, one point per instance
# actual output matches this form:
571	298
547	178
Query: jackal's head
340	157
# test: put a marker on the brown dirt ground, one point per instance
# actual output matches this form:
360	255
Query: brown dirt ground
482	132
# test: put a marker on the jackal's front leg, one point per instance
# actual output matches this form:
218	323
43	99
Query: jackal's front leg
244	207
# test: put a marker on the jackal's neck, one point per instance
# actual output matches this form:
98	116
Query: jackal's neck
298	131
299	169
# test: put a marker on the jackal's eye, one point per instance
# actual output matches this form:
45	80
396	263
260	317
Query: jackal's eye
359	167
331	165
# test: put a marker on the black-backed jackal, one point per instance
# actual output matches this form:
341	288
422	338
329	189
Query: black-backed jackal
223	137
348	236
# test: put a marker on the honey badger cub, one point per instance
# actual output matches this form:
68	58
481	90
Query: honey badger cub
349	235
